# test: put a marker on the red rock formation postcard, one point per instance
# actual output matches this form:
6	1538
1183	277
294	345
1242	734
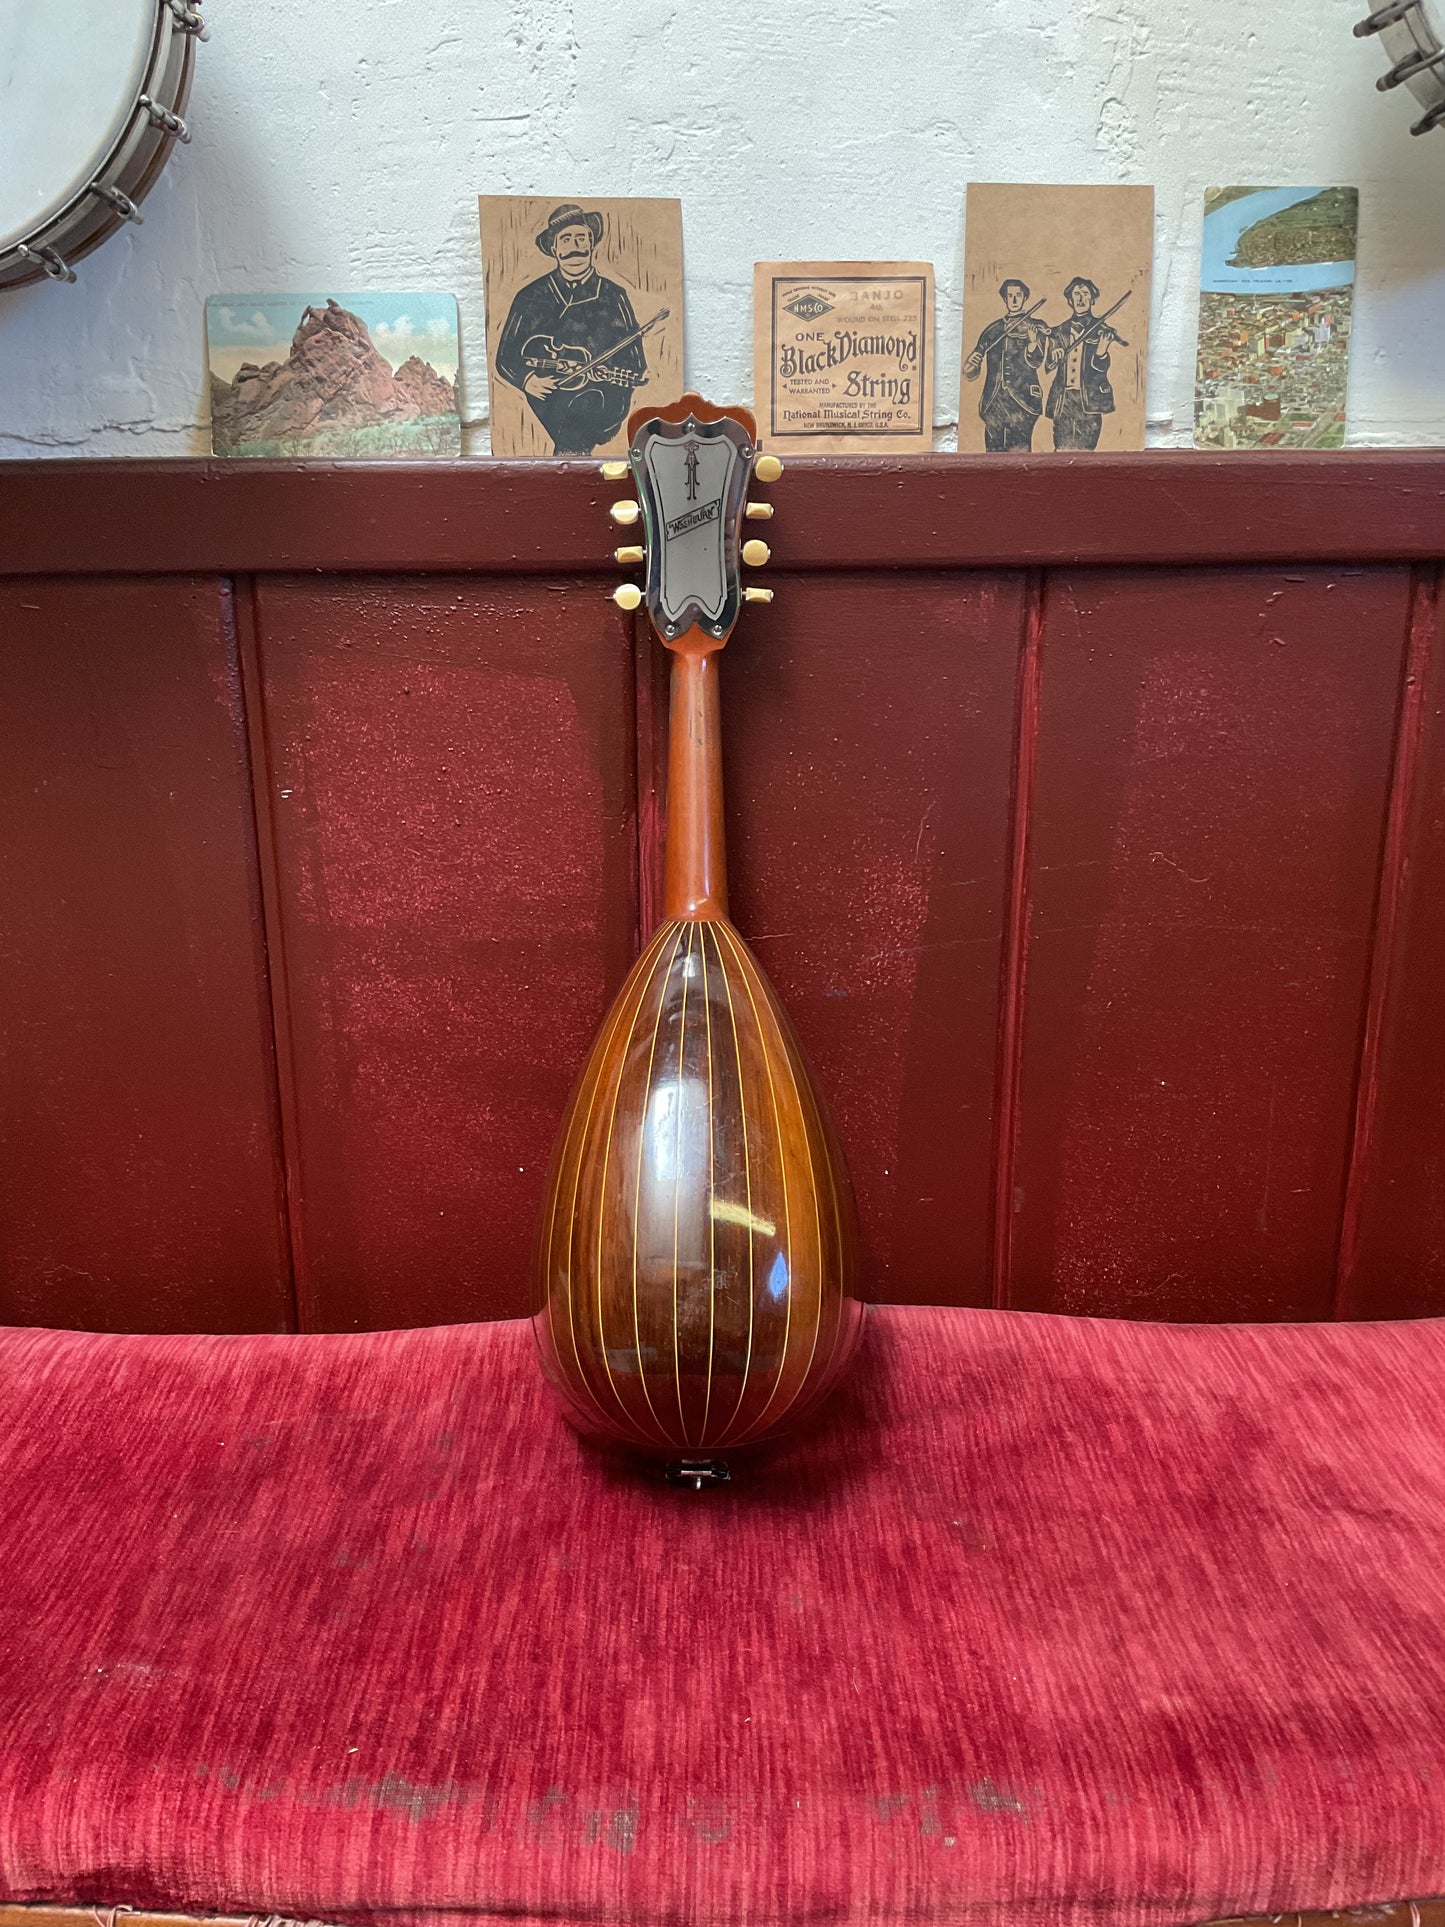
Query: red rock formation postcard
333	375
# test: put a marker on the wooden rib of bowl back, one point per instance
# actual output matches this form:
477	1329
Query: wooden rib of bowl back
696	1252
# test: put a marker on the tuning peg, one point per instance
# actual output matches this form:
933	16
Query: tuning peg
759	511
757	595
767	468
613	471
755	554
628	556
627	595
625	513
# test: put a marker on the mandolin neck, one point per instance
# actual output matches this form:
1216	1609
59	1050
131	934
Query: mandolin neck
695	872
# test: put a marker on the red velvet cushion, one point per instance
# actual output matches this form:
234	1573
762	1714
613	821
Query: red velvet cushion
1054	1621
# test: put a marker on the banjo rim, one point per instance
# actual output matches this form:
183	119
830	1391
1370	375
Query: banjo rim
1413	39
129	168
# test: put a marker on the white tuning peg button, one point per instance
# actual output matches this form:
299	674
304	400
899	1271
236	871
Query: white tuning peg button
613	471
756	553
627	595
757	595
624	513
767	468
759	511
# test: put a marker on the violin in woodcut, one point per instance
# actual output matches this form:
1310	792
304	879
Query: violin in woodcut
696	1267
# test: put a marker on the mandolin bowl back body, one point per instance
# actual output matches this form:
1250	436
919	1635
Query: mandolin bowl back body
696	1263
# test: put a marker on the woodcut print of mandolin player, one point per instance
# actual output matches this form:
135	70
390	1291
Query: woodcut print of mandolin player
584	312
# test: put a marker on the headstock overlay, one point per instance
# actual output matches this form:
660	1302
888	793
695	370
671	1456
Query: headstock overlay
692	464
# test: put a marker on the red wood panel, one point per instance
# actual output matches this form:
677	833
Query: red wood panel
139	1171
938	512
1393	1257
1213	765
868	729
1205	1042
451	790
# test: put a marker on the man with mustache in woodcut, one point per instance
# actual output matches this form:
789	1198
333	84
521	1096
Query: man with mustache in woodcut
562	322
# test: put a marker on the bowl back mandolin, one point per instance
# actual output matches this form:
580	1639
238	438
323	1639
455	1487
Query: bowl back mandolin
696	1265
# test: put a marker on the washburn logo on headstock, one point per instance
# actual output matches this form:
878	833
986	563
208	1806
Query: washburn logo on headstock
695	518
808	304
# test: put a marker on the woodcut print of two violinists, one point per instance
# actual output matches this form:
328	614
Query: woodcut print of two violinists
1056	318
1019	351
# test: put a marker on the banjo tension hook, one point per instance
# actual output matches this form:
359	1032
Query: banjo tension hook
54	264
188	20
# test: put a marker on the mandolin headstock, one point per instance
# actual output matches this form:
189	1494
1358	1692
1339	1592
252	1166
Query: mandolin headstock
692	465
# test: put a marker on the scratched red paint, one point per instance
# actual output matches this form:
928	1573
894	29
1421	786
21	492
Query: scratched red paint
1214	760
867	737
1393	1264
453	888
451	786
139	1181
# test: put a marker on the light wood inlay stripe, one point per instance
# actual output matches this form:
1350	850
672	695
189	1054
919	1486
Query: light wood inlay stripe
677	1181
628	1419
807	1125
747	1187
725	930
662	1431
573	1151
711	1188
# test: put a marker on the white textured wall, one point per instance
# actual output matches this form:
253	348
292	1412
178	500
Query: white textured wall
345	144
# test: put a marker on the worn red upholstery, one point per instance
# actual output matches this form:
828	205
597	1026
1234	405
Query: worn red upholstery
1054	1621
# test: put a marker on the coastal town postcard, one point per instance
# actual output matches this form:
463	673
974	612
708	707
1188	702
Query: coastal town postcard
1277	283
584	318
333	374
843	356
1055	318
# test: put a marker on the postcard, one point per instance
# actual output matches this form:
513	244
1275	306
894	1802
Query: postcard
843	356
1055	318
1277	279
584	318
347	374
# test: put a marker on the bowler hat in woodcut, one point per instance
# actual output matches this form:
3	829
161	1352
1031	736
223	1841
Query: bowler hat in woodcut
568	215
